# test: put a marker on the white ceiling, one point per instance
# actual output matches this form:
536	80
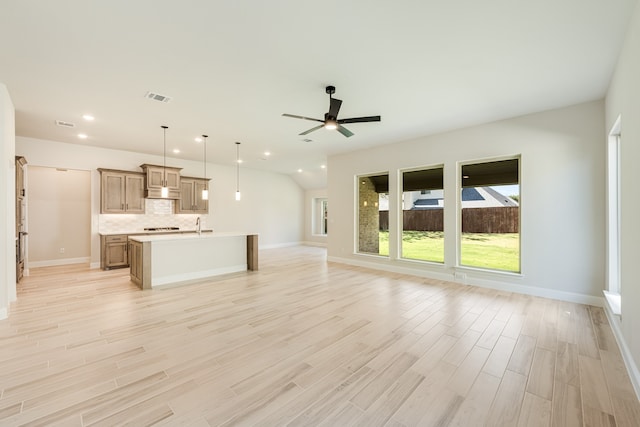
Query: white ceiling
233	67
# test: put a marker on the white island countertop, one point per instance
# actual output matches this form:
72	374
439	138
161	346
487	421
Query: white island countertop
168	259
187	236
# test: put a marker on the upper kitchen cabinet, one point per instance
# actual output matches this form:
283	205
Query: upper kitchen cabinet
155	176
121	192
191	200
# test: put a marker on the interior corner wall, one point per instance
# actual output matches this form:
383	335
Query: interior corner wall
562	200
623	99
7	203
310	237
271	206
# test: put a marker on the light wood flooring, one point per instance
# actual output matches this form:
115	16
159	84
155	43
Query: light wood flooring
303	342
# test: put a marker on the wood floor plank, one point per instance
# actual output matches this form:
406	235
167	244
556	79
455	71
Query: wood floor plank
303	342
522	355
505	409
535	412
473	410
566	406
542	373
593	384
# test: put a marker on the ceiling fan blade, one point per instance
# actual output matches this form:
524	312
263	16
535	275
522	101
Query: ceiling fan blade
360	119
334	107
343	130
311	130
303	118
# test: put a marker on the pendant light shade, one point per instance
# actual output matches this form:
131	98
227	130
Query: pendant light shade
238	171
205	190
164	191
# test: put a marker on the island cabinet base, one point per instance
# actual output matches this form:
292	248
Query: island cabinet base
171	260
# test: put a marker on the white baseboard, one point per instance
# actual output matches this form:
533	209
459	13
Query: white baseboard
474	281
630	364
317	244
94	265
279	245
54	262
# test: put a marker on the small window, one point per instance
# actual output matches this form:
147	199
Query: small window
320	207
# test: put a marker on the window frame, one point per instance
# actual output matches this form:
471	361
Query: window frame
459	233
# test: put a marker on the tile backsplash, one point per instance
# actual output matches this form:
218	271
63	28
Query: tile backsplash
159	213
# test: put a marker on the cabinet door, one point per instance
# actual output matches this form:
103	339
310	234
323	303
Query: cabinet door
155	177
186	195
116	255
135	261
201	206
173	179
112	192
134	194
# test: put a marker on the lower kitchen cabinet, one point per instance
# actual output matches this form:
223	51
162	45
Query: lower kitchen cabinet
114	251
135	260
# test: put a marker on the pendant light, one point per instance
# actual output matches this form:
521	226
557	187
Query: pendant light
237	171
205	190
164	192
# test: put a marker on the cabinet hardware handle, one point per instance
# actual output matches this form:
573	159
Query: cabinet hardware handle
121	206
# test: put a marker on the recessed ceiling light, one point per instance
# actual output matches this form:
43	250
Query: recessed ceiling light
323	166
239	160
83	136
299	170
267	153
176	151
88	117
198	139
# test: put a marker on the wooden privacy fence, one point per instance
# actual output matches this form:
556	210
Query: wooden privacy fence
474	220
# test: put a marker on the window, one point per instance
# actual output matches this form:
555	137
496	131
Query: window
320	216
373	214
613	219
423	215
490	225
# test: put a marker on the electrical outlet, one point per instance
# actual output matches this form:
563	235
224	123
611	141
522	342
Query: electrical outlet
460	276
61	250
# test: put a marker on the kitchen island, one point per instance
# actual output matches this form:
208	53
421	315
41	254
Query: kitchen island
171	259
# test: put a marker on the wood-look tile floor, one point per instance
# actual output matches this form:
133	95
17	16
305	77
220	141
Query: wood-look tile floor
303	342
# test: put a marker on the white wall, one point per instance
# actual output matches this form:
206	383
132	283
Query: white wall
58	215
562	193
309	216
7	203
623	98
271	205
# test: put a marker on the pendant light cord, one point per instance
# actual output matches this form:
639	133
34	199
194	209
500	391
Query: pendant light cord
204	161
237	167
164	156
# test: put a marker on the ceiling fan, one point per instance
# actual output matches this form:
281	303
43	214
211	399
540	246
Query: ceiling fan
331	120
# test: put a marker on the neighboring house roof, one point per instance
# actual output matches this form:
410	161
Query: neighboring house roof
472	197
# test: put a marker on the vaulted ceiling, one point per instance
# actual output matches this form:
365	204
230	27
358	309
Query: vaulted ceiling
231	68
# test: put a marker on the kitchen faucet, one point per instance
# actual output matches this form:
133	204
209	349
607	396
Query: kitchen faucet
198	227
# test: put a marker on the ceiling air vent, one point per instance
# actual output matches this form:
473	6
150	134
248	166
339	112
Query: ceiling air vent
157	97
307	140
65	124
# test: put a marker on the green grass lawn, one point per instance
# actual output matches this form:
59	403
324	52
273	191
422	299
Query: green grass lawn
494	251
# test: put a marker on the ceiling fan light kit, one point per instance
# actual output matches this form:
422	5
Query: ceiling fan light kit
331	121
